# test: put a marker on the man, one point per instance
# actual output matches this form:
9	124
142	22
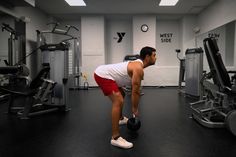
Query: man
112	77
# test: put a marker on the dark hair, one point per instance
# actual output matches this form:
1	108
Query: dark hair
146	51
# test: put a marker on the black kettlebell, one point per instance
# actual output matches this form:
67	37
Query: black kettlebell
133	124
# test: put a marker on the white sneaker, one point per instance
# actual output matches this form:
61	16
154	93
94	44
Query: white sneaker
122	143
123	121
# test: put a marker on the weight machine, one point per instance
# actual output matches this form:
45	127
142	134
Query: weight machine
193	71
190	72
11	43
16	43
217	107
36	95
57	56
16	50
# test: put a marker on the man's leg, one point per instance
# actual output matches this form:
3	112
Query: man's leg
117	105
110	89
123	96
123	120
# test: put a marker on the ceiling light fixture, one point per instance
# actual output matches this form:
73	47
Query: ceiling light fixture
168	2
76	2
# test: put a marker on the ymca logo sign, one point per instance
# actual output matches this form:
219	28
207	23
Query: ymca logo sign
120	36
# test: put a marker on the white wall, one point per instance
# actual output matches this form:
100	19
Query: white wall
217	14
229	44
98	37
116	51
37	21
141	39
92	45
219	34
189	23
166	70
168	39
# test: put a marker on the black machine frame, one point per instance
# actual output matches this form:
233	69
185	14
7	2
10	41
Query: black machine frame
217	107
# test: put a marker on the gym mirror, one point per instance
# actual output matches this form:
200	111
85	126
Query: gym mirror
225	36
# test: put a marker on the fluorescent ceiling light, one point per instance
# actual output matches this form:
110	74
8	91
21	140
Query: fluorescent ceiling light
76	2
168	2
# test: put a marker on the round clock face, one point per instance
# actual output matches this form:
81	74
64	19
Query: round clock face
144	28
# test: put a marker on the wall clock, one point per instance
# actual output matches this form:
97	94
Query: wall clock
144	28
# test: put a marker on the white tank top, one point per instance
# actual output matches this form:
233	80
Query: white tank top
117	72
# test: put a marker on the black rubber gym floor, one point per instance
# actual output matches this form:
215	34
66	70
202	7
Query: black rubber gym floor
167	130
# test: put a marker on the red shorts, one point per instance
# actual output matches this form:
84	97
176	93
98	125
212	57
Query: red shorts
108	86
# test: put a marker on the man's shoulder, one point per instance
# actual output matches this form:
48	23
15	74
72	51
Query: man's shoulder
136	66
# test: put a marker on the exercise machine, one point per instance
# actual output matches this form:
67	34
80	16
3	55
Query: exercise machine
190	71
11	43
57	56
217	107
16	48
181	71
193	71
16	42
36	96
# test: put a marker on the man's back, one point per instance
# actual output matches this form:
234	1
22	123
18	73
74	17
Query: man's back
117	72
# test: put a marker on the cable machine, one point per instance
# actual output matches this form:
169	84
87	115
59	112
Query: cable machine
16	49
181	71
57	56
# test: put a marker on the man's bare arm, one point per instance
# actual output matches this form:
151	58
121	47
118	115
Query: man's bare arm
136	83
